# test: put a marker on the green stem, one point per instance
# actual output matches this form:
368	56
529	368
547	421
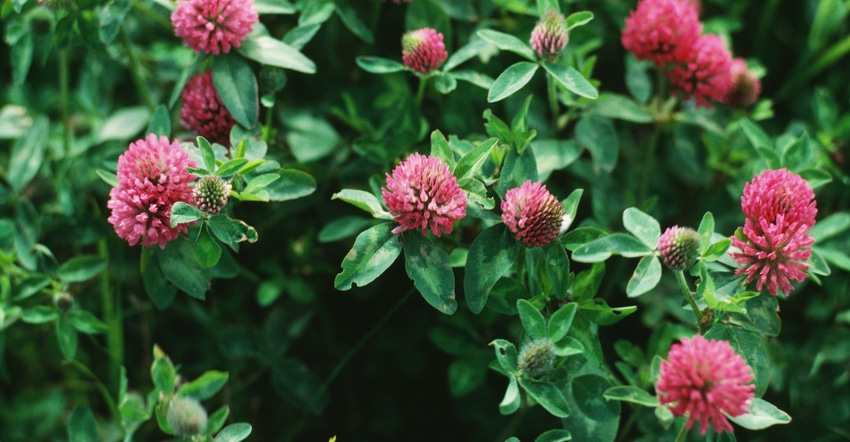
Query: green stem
293	433
420	93
649	162
267	126
107	396
136	70
553	101
112	316
64	93
683	285
682	433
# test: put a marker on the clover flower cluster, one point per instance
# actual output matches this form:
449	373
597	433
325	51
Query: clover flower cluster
532	214
550	35
423	193
669	33
203	111
214	26
679	247
152	177
780	208
423	50
705	380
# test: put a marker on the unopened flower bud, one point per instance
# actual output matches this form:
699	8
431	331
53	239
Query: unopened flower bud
679	247
550	36
745	88
211	193
272	79
186	416
532	214
63	301
536	358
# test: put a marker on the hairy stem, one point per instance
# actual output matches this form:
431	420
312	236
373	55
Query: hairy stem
553	100
683	285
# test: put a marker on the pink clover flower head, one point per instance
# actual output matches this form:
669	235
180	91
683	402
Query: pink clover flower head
203	111
152	177
745	88
780	208
657	30
423	193
532	214
423	50
550	36
705	72
703	379
679	247
214	26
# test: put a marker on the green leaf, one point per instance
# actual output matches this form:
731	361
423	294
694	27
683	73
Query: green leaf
82	426
207	252
440	148
638	81
110	19
259	182
293	184
556	277
472	161
506	355
750	345
508	42
505	294
316	13
620	107
236	86
645	278
758	138
630	393
444	82
124	124
231	231
341	228
217	420
205	386
299	36
830	226
39	314
110	178
160	122
762	414
159	290
511	80
207	154
349	19
269	51
706	230
274	7
571	79
592	418
532	320
378	65
234	432
602	248
577	19
231	167
548	396
717	250
554	436
429	268
178	264
491	254
21	58
86	322
67	337
597	135
464	53
163	373
182	213
363	200
642	226
561	321
27	154
512	400
517	169
373	252
473	77
599	312
81	268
